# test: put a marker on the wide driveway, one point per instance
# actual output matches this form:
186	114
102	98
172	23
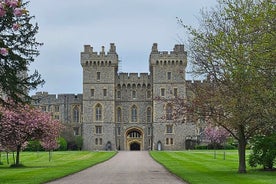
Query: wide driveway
127	167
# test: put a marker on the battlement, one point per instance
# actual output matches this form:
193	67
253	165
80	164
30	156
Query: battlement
45	97
90	58
133	78
175	57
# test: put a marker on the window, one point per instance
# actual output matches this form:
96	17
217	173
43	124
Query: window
134	134
148	94
133	94
134	114
98	112
98	75
96	141
169	112
175	92
92	92
169	75
118	94
149	130
99	129
148	114
162	92
169	129
104	92
76	131
167	141
43	108
76	114
171	141
118	130
56	108
119	115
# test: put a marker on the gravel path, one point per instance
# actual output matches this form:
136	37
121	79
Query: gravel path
127	167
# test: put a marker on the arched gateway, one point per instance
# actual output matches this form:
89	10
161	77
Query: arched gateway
134	139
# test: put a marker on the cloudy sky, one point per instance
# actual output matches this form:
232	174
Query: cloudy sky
133	25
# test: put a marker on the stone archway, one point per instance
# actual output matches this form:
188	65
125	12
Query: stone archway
134	139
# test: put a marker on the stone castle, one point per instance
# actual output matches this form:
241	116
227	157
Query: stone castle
118	111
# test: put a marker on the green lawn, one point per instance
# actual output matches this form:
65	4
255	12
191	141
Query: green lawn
38	169
200	167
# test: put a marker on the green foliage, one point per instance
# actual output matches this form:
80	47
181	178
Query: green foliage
33	146
263	151
39	170
200	167
62	144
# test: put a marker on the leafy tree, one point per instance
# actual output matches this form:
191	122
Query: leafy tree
235	48
22	123
18	48
263	151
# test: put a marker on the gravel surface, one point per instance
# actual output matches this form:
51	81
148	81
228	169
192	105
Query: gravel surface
127	167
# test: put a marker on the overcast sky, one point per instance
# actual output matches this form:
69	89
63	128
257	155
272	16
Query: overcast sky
133	25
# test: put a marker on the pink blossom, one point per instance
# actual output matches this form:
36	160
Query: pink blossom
4	51
16	26
18	12
12	3
2	10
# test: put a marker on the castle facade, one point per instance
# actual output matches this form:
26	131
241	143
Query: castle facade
119	111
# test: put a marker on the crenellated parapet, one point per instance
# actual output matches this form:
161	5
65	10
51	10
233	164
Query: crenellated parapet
103	58
178	56
133	80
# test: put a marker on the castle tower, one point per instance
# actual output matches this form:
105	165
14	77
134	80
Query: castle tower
99	74
168	82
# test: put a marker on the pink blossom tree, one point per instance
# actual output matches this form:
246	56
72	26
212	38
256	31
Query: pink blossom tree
23	123
216	134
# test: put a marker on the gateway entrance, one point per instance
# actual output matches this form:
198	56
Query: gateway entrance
134	139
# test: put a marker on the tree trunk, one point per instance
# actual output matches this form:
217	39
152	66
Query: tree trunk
241	147
17	154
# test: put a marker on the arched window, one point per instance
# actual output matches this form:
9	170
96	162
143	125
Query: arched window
134	113
76	114
148	114
119	115
169	112
98	112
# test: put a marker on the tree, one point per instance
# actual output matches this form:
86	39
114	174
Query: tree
18	48
235	48
23	123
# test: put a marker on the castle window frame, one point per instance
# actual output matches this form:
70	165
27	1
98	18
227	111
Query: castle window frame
98	112
175	92
104	92
76	114
56	108
92	92
162	92
149	94
169	112
118	94
98	129
119	114
134	96
134	113
149	131
169	75
169	129
98	76
149	117
96	141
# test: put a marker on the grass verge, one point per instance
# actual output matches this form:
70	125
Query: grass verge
38	169
200	167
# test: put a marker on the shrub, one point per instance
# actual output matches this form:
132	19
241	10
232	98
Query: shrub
34	146
62	144
263	151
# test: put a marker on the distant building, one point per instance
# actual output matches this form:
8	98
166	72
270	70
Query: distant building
117	111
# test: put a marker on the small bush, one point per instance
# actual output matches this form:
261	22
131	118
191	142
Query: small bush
62	144
33	146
